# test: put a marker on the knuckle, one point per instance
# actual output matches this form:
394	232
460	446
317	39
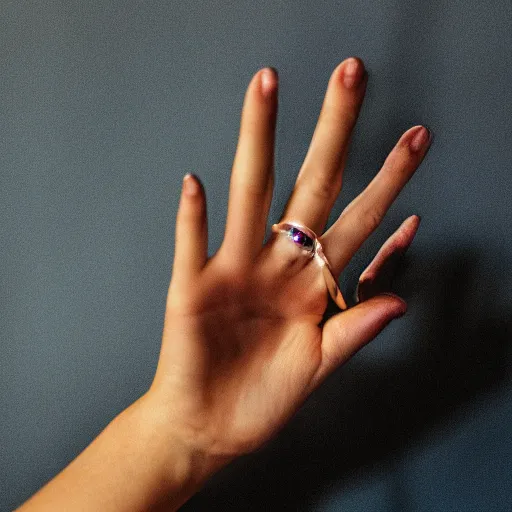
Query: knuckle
370	219
321	187
400	239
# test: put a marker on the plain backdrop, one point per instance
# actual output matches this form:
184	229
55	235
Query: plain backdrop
105	105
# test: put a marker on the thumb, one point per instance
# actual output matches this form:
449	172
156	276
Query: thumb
347	332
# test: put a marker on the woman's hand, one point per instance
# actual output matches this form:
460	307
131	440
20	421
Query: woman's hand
243	344
242	347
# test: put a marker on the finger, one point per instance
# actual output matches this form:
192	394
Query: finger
251	183
362	216
347	332
191	233
319	180
379	273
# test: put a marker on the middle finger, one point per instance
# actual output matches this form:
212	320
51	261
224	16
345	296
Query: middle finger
319	180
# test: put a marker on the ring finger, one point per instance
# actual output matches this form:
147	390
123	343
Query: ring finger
362	216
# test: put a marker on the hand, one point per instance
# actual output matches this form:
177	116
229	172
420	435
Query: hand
242	347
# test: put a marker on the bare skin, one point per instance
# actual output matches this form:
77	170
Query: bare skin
242	347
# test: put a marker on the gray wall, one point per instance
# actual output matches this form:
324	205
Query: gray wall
106	104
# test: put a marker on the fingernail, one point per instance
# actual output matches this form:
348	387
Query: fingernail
190	185
353	73
400	313
268	81
402	309
420	139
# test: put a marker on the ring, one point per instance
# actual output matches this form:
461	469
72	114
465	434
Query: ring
306	238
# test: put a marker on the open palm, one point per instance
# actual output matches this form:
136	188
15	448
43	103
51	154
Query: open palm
242	345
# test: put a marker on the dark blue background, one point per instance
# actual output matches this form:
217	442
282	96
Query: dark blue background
105	105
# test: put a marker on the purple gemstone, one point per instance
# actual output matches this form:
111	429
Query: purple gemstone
300	238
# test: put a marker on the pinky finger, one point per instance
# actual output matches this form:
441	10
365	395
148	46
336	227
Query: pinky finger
191	235
378	275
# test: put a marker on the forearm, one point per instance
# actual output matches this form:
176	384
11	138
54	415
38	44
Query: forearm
133	465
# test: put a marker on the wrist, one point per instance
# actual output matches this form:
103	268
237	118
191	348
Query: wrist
133	464
180	467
